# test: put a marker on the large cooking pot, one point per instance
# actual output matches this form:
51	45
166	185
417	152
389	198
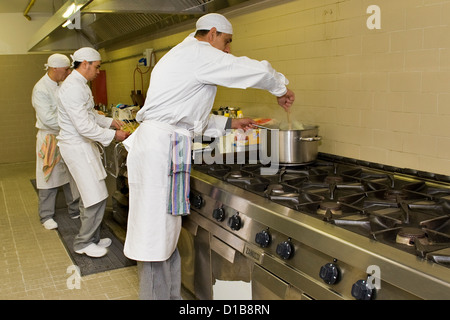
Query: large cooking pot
295	147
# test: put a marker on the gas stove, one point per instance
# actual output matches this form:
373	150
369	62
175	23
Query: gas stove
334	229
405	212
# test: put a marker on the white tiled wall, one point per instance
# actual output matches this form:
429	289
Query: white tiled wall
378	95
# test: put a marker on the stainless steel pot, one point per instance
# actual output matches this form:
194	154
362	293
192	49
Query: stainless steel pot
295	147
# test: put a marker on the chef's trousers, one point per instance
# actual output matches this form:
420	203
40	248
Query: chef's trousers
47	202
91	219
160	280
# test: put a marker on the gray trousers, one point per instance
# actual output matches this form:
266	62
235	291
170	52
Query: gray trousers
91	219
47	202
160	280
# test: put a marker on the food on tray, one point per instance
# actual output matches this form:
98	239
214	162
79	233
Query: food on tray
261	121
129	126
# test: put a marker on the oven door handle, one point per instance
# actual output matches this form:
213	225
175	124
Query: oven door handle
270	282
224	250
190	226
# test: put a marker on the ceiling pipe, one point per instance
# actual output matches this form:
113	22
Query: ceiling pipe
25	13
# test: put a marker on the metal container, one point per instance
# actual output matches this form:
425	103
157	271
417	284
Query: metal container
295	147
232	112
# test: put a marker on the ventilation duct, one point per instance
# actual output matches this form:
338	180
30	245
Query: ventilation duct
100	23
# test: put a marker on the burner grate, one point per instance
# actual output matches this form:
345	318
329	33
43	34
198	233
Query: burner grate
408	213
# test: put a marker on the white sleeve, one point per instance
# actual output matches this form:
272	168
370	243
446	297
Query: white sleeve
103	121
46	113
215	127
76	104
230	71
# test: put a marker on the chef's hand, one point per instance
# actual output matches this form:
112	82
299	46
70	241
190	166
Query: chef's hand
117	124
287	100
242	123
121	135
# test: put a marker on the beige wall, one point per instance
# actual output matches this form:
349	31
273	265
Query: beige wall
378	95
16	31
18	74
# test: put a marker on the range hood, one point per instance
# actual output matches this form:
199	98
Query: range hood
104	22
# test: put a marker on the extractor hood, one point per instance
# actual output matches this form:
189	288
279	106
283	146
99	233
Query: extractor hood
101	23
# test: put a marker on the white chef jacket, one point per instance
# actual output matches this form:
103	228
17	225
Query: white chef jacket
43	100
80	128
183	83
181	93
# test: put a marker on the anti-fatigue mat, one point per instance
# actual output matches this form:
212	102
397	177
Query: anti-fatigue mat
68	229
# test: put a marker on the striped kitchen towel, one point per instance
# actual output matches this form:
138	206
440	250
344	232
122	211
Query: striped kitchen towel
49	152
179	175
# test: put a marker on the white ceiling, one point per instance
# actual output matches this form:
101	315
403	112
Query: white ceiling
15	6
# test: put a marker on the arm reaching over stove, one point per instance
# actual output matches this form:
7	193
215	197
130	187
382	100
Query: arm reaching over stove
286	100
242	123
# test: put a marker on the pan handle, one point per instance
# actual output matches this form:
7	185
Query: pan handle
310	139
261	127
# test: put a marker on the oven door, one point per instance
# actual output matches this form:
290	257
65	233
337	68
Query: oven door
231	272
211	268
267	286
214	266
195	253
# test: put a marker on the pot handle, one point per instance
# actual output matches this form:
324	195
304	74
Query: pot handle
310	139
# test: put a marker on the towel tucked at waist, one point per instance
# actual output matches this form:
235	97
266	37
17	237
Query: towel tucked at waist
50	155
179	174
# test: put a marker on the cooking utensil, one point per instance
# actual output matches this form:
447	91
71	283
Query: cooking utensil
294	147
262	127
288	112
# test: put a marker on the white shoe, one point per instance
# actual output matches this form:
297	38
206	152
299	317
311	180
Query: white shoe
93	250
50	224
104	243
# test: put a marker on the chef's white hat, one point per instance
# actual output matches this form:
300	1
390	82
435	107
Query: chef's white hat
57	60
211	20
86	53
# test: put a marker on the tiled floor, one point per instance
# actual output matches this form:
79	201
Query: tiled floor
33	261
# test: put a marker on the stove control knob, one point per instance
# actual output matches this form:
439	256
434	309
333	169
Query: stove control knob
235	222
329	273
361	290
263	238
285	249
197	201
219	214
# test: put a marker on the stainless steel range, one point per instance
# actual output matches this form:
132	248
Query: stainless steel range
335	229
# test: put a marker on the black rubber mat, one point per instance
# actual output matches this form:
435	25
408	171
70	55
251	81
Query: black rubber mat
68	229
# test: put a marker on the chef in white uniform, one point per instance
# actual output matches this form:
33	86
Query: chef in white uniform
181	95
51	172
81	128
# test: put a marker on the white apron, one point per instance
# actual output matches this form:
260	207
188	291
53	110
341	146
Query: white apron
152	233
84	162
59	176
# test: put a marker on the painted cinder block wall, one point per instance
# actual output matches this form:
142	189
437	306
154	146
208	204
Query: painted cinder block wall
381	95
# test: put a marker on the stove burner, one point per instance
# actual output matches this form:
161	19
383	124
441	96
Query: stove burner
397	195
288	196
276	189
409	214
334	207
409	235
235	174
333	179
